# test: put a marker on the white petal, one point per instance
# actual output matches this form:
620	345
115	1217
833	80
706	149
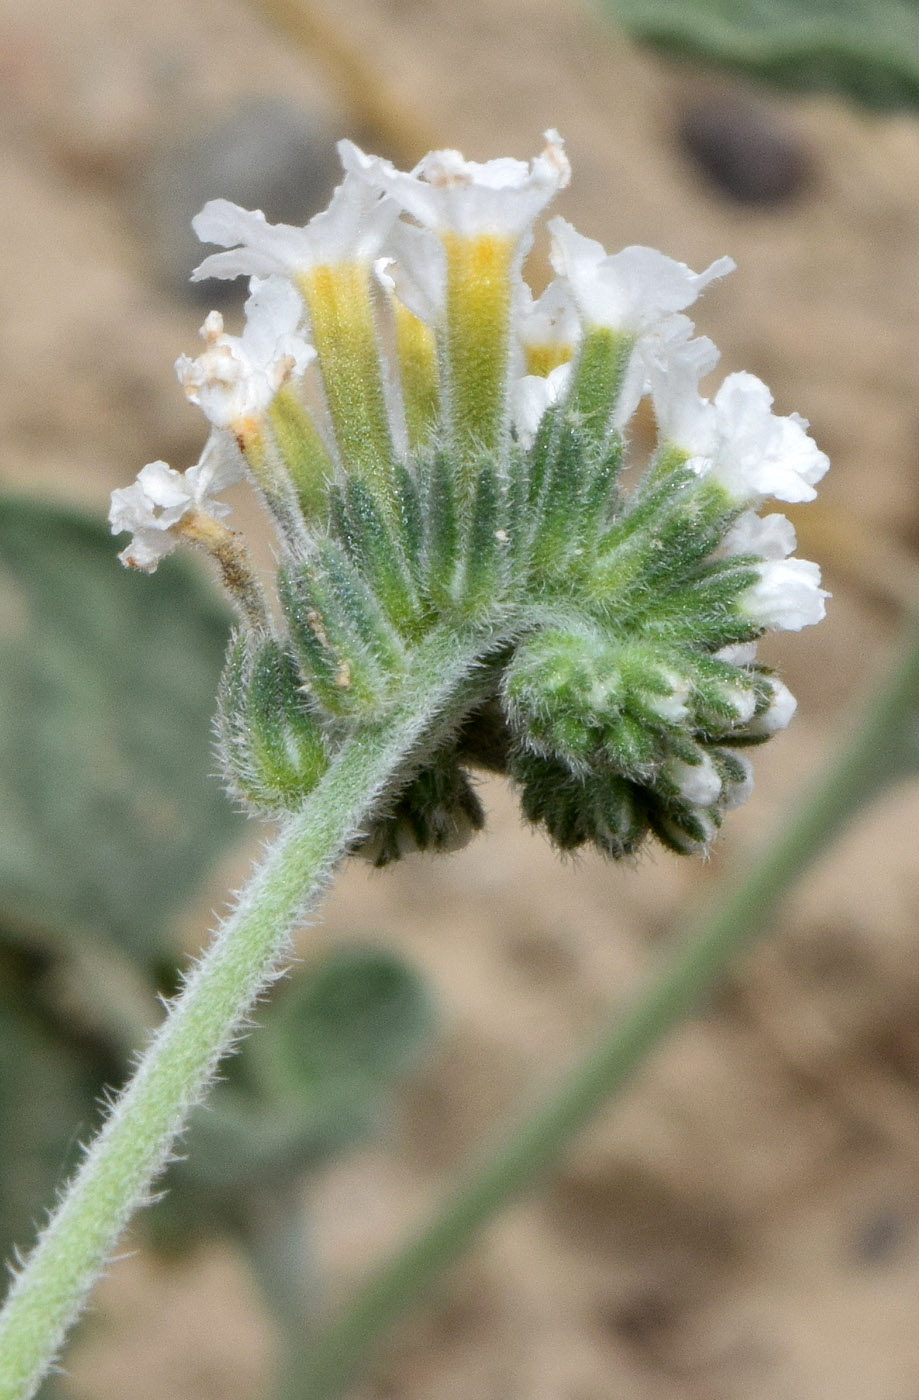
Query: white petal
352	228
739	654
146	550
674	361
698	783
129	508
769	536
630	290
787	596
761	454
160	497
163	487
274	310
551	319
417	270
737	791
263	248
448	193
237	376
357	221
532	395
221	464
779	713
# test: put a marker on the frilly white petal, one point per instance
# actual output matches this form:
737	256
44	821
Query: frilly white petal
357	221
762	453
787	595
532	395
551	319
736	439
630	290
668	361
416	270
161	496
352	228
445	192
219	466
769	536
237	376
262	249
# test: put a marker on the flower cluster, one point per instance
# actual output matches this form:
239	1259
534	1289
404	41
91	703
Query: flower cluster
438	449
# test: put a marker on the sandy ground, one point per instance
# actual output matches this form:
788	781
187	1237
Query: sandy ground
746	1223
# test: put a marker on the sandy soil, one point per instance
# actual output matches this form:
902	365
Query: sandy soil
746	1223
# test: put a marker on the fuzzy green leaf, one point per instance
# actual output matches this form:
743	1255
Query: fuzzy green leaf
865	49
110	813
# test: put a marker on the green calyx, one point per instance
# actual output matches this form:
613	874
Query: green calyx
610	701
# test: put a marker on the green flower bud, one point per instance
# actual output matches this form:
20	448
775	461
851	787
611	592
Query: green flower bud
273	747
438	811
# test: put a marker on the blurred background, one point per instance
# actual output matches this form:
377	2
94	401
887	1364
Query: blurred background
745	1223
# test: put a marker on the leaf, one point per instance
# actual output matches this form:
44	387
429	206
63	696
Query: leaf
110	813
49	1089
310	1083
866	49
358	1017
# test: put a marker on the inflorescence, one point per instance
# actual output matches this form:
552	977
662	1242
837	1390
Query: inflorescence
439	450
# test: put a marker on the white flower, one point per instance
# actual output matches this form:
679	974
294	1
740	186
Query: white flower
779	712
736	791
550	320
161	497
415	270
628	291
673	705
737	440
532	395
787	595
698	783
449	194
237	376
770	536
738	654
667	352
353	228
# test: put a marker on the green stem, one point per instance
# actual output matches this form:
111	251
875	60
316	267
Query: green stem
137	1139
883	748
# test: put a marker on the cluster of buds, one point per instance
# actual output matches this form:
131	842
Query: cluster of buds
439	450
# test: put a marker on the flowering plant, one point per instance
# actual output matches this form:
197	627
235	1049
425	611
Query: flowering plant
440	452
473	573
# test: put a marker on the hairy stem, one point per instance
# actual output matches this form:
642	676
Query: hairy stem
884	747
136	1141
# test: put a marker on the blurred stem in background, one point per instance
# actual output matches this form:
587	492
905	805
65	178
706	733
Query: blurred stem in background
883	749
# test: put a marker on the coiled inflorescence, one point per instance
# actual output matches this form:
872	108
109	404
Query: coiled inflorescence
438	450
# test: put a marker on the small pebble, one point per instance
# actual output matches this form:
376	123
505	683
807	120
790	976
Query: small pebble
879	1236
746	149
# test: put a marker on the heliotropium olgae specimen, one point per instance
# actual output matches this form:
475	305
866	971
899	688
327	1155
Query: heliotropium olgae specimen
440	450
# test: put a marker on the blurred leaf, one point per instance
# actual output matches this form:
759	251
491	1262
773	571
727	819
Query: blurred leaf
357	1018
49	1088
866	49
308	1084
110	814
